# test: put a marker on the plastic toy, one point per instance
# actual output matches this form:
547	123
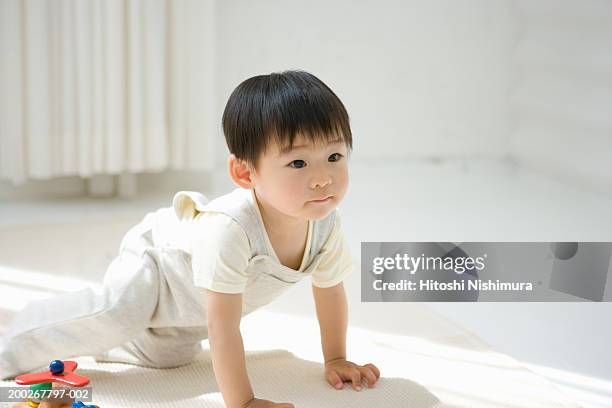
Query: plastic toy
60	372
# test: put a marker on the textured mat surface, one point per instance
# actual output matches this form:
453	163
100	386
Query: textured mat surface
457	371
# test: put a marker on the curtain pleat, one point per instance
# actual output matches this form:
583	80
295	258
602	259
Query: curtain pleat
12	155
104	87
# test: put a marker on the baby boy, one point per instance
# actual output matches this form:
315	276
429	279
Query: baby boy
191	271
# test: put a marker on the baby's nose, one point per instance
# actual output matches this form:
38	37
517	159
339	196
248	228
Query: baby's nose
320	183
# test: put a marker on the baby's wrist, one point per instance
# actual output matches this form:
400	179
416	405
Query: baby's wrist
246	404
331	360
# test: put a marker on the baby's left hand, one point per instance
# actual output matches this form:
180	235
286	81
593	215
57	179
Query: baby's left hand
339	370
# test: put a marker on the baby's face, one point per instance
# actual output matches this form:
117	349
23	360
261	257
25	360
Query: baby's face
290	181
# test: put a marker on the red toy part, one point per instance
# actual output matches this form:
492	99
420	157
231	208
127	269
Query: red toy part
67	377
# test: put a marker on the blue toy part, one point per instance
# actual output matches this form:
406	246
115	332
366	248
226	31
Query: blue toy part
56	367
79	404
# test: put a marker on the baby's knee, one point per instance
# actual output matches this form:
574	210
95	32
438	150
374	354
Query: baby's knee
173	358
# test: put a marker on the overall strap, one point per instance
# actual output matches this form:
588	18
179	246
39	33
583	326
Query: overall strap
239	205
321	231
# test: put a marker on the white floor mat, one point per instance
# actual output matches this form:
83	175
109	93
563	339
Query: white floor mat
284	364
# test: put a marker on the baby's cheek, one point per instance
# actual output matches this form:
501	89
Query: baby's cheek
282	190
343	174
290	183
339	184
294	193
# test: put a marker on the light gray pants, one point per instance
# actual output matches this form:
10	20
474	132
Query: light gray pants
147	313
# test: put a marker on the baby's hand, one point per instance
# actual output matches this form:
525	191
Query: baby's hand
260	403
339	370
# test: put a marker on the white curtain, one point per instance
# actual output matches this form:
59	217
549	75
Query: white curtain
105	87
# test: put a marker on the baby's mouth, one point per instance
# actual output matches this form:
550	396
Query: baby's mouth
321	200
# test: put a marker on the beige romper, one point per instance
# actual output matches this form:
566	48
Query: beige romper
150	311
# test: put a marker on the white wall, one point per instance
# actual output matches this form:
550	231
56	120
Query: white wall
419	78
562	101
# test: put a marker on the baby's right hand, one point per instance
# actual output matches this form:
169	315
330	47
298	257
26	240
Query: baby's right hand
260	403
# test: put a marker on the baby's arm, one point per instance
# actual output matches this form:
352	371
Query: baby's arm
332	312
226	347
227	351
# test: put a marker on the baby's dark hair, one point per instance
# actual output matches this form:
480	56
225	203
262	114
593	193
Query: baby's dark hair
277	107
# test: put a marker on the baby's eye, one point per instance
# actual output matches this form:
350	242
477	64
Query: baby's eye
300	164
337	155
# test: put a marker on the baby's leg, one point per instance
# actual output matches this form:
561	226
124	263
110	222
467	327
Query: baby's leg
159	347
178	324
86	322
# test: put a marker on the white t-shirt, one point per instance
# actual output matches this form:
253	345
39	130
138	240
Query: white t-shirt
221	251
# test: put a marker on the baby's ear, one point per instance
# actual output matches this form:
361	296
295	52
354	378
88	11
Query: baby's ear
240	171
187	204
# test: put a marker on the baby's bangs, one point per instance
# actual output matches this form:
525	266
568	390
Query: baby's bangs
315	135
300	105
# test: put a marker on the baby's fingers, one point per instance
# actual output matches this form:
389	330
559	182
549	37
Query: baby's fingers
356	379
374	369
369	375
334	379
